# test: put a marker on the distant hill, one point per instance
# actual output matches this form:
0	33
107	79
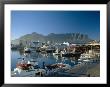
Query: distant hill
54	38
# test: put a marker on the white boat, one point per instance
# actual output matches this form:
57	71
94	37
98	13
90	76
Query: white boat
57	53
86	60
28	73
87	56
24	69
79	59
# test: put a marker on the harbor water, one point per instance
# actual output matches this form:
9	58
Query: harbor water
49	58
17	56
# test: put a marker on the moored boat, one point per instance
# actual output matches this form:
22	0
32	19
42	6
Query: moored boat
58	66
27	50
87	56
71	54
26	69
50	50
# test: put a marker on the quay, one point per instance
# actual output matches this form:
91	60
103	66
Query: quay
85	70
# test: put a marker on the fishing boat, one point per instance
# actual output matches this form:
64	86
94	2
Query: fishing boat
50	50
38	49
70	54
58	66
63	66
27	50
26	69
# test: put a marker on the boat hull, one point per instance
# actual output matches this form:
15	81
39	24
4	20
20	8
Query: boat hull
28	51
71	55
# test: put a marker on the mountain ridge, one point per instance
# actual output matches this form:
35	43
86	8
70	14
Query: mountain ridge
55	38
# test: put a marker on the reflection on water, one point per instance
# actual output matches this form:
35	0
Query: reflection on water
40	58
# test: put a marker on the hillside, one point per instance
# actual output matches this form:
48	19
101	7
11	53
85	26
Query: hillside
54	38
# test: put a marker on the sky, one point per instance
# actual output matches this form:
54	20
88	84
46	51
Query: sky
45	22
